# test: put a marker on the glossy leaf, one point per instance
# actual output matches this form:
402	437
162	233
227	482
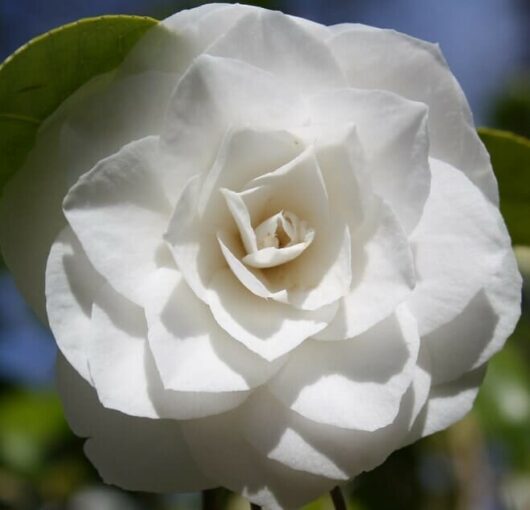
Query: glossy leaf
39	76
510	156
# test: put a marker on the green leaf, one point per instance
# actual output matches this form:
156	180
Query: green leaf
510	156
38	77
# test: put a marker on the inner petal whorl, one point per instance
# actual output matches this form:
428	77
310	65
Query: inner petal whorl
281	230
279	239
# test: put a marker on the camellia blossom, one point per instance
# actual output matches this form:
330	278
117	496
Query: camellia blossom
270	252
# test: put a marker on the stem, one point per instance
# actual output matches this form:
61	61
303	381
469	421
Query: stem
338	499
209	499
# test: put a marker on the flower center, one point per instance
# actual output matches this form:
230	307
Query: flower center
279	239
281	230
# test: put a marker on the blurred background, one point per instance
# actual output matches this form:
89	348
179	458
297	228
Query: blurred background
482	463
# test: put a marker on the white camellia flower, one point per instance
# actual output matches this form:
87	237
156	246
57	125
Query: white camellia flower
272	254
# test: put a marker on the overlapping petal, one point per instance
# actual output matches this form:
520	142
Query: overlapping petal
71	284
357	383
113	206
392	132
191	351
323	450
383	276
481	328
130	452
217	94
387	60
277	44
224	454
266	327
457	249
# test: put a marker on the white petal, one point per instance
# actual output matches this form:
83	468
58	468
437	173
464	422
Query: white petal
383	276
323	274
341	160
447	404
384	59
297	186
251	278
273	257
354	384
393	134
242	219
132	453
245	154
482	327
201	209
458	245
267	328
277	44
214	95
191	351
119	213
194	247
71	284
116	355
221	450
323	450
421	382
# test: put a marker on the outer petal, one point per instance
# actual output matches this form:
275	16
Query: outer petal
323	450
124	372
456	248
133	453
267	328
191	351
384	59
71	284
383	276
214	95
482	327
277	44
447	404
221	450
393	134
354	384
114	206
116	355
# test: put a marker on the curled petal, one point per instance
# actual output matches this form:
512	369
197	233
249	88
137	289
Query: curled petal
387	60
223	452
392	132
481	329
191	351
266	327
456	249
447	404
71	284
230	94
277	44
357	383
324	450
132	453
113	206
382	276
